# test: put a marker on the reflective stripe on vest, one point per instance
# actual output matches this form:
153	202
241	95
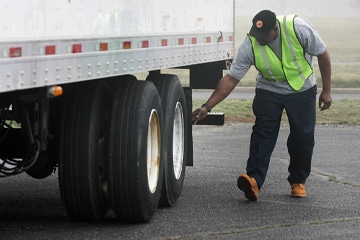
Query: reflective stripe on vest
292	66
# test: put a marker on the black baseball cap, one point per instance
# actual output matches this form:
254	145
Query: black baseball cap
263	23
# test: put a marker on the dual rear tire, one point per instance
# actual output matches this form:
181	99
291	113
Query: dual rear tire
136	152
118	149
83	155
175	133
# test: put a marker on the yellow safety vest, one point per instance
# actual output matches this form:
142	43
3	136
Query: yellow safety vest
293	66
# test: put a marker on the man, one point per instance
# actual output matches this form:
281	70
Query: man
281	48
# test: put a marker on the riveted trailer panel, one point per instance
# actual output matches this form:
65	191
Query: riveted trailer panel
43	43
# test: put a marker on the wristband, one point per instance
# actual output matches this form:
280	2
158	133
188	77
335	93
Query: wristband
207	107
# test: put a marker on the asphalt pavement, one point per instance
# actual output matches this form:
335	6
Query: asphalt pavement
331	209
211	206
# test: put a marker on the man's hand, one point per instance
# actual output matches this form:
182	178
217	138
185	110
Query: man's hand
324	101
199	114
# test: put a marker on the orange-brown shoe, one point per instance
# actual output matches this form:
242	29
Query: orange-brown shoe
298	190
249	186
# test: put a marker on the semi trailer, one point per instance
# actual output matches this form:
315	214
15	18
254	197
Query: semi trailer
72	101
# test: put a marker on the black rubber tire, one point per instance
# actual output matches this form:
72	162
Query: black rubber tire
172	94
133	197
83	157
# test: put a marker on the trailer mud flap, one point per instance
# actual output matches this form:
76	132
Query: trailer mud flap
189	140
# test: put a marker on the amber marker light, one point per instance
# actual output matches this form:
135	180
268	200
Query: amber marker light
55	91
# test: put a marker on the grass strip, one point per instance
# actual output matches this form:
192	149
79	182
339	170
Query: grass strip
341	112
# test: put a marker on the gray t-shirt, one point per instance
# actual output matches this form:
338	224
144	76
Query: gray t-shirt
309	39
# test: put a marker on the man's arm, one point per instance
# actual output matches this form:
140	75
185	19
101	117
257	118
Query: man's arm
222	90
325	70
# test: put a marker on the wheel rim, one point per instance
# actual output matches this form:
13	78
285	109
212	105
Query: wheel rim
153	151
178	141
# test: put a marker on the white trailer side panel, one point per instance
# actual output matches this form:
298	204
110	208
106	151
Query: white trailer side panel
46	42
64	19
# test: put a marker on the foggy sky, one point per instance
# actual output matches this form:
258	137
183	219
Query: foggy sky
305	8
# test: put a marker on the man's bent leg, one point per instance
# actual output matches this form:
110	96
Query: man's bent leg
268	111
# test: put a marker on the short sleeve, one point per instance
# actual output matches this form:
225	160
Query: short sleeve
243	60
309	37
